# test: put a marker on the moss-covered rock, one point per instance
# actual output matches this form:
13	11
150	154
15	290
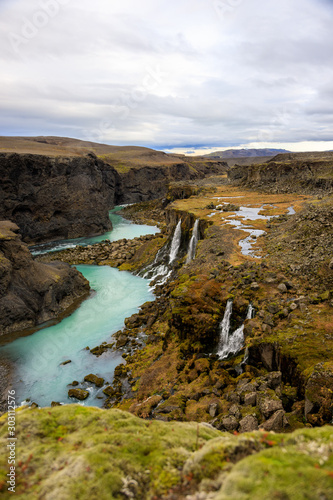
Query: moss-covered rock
94	379
319	395
80	394
77	452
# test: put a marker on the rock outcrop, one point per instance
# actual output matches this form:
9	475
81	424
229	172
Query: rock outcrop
310	173
151	182
32	293
52	198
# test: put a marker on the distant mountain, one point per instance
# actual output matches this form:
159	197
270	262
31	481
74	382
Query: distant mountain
245	153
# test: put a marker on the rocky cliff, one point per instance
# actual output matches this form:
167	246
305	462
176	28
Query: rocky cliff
53	198
152	182
67	190
286	173
32	293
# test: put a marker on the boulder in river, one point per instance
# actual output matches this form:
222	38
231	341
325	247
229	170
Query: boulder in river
66	362
80	394
98	381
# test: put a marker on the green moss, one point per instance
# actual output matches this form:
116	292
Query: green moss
250	410
79	452
84	452
287	470
143	256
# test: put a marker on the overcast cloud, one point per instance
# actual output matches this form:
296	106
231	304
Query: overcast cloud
169	73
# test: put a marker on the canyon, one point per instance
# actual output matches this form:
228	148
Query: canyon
185	386
54	188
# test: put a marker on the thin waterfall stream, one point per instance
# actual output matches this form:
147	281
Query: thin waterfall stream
193	242
160	270
231	343
175	244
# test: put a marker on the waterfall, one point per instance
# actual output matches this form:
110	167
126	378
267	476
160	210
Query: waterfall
231	344
175	244
193	242
225	327
250	312
160	270
246	356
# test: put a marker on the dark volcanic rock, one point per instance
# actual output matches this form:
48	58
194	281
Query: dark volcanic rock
53	198
248	424
277	422
310	173
31	292
147	182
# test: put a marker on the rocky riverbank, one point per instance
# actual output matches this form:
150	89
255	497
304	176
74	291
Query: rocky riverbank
32	293
179	376
127	255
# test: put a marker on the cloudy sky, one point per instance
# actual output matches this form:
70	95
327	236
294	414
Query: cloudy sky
182	74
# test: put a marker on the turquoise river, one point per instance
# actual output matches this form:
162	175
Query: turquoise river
38	374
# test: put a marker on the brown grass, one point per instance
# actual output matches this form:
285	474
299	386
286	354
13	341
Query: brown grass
241	197
122	157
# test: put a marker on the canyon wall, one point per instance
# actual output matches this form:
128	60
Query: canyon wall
32	293
311	173
60	197
52	198
149	182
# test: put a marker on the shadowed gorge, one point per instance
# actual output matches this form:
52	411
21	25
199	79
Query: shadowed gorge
56	188
56	198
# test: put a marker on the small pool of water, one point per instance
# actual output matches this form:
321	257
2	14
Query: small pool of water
248	214
251	213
